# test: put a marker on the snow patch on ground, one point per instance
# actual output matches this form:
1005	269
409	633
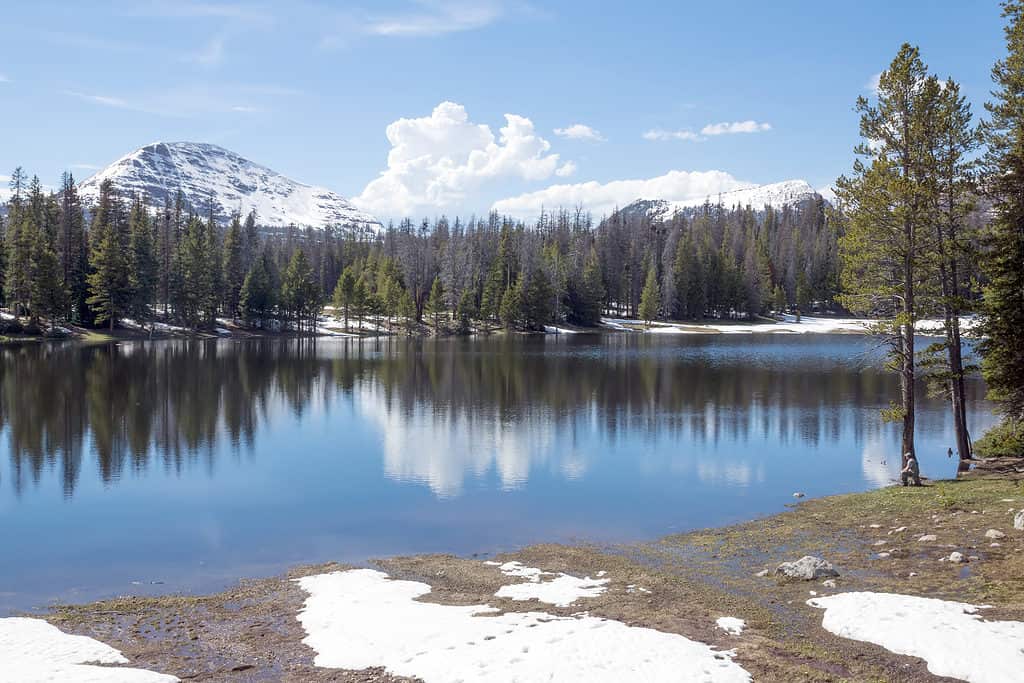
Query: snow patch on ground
561	591
33	650
731	625
360	618
555	329
949	636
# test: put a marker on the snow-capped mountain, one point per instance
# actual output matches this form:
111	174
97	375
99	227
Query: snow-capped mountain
777	195
206	173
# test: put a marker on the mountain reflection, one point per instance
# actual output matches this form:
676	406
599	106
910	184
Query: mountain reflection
446	411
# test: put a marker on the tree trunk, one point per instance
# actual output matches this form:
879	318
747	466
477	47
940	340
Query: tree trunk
907	374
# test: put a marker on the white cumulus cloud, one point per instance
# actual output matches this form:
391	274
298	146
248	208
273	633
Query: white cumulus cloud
437	161
733	127
566	169
602	198
579	131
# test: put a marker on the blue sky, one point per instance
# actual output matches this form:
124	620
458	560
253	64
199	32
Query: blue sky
681	98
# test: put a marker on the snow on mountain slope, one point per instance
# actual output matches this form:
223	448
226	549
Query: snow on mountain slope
205	172
777	195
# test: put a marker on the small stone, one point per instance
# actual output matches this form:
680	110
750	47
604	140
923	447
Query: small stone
806	568
899	530
813	593
883	555
955	557
874	526
912	574
763	572
829	583
994	534
973	558
995	545
1018	521
927	538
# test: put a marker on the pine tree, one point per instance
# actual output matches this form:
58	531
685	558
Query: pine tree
466	312
256	298
537	300
48	298
109	285
587	294
300	293
191	284
1003	320
142	265
233	269
73	249
435	304
511	309
886	201
344	293
650	299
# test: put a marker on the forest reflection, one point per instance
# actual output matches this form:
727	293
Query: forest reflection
444	409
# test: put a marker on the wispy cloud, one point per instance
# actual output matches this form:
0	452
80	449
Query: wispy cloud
437	17
83	41
422	18
190	101
710	130
4	78
251	13
580	131
104	100
734	127
210	54
658	134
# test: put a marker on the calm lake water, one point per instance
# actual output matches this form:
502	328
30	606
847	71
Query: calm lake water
181	466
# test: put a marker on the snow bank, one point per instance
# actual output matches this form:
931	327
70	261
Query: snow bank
360	618
949	636
33	650
731	625
561	591
789	325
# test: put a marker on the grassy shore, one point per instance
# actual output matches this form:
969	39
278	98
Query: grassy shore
687	581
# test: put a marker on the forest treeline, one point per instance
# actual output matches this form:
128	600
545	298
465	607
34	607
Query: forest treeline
119	259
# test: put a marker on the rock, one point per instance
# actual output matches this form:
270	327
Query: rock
798	495
995	545
829	583
879	543
956	558
927	538
807	568
899	530
1018	521
994	534
763	572
911	575
874	526
883	555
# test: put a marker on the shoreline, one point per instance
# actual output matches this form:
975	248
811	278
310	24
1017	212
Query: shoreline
676	584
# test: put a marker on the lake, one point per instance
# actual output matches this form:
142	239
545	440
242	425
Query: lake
143	468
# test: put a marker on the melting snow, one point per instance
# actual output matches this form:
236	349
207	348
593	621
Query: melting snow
34	650
360	618
949	636
561	591
731	625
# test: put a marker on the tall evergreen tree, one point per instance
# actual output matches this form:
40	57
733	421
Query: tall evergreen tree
435	304
109	285
142	264
1003	320
233	268
73	249
650	299
886	199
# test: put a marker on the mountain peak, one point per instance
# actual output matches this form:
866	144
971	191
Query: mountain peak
208	174
777	195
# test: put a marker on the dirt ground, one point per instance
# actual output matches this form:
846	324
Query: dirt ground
250	633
